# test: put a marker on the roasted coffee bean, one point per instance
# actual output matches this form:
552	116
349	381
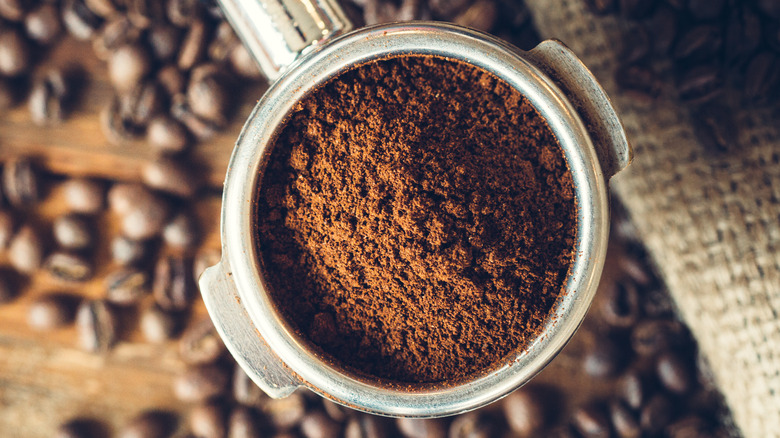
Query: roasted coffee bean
243	64
68	267
7	96
84	195
208	420
243	423
699	42
700	84
166	135
51	311
25	251
146	13
422	428
604	358
117	126
591	421
317	424
157	325
143	214
285	413
171	80
656	414
375	12
72	232
636	45
43	24
183	13
601	7
654	336
624	422
200	383
674	372
689	427
769	7
80	428
128	65
639	81
119	32
631	388
171	176
222	43
193	47
164	41
245	391
562	431
13	10
48	98
620	307
79	20
181	232
6	228
368	426
206	93
524	412
762	76
97	326
335	411
21	182
141	103
663	26
173	289
126	251
200	343
481	15
7	292
126	286
473	425
149	424
103	8
200	128
706	9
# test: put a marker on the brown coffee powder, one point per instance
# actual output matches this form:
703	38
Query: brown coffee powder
416	220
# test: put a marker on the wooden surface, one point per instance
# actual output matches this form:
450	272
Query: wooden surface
44	378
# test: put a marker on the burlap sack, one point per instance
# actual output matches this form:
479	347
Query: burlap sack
711	221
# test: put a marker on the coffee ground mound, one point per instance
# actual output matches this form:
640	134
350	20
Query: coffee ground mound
416	219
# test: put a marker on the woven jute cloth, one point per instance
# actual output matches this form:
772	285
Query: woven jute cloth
710	220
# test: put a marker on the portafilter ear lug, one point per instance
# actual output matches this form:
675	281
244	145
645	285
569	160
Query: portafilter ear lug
235	328
590	100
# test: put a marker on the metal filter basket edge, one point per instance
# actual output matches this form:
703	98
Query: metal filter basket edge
579	114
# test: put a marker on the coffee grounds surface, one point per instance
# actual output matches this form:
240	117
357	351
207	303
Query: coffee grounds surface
416	220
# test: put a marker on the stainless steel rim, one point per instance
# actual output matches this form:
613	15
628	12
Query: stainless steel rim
251	154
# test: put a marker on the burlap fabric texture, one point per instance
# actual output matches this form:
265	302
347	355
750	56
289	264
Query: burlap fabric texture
710	220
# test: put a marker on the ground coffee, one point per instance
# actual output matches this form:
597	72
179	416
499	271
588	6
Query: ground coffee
416	219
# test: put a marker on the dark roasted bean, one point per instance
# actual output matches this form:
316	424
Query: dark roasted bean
166	135
591	421
143	214
149	424
193	46
157	325
128	65
524	412
72	232
7	292
43	24
422	428
20	182
68	267
770	8
208	420
700	84
200	383
200	128
706	9
103	8
368	426
80	428
335	411
171	80
245	391
51	311
79	20
674	372
632	389
222	43
183	13
285	413
243	423
620	307
48	98
641	81
699	42
7	229
141	103
13	10
8	96
146	13
243	64
656	414
117	33
689	427
624	422
654	336
663	25
636	45
181	232
200	343
25	251
171	176
207	95
317	424
126	251
473	425
84	195
97	326
762	76
636	9
481	15
601	7
126	286
172	287
116	126
604	358
164	41
743	34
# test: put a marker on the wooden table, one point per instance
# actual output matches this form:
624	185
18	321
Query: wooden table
44	378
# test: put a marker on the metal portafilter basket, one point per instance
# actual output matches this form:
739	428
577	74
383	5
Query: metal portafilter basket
300	44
